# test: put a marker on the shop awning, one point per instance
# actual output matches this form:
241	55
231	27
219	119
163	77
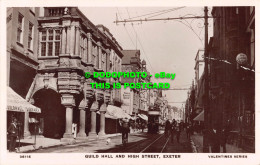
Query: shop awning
200	117
16	103
144	117
116	113
33	120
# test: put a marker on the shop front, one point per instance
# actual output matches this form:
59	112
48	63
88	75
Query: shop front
16	107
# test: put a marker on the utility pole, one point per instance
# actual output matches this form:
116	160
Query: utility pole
206	87
206	84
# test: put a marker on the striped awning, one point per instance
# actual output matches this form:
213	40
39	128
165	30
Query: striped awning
16	103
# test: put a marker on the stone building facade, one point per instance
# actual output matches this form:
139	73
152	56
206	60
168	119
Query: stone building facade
21	52
232	88
131	62
70	45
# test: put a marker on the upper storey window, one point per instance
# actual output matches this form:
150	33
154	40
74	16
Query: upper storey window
95	55
30	36
83	46
20	29
50	42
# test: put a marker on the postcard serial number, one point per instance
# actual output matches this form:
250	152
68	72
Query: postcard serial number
25	156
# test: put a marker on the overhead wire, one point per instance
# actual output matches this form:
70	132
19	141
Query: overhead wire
126	28
167	11
151	13
141	45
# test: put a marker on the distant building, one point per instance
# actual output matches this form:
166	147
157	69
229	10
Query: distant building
115	65
131	62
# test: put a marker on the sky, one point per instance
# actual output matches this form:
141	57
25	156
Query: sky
167	46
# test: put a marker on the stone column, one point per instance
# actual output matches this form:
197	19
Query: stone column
72	40
68	41
27	133
82	134
63	42
108	60
102	111
68	101
77	44
93	109
89	48
99	55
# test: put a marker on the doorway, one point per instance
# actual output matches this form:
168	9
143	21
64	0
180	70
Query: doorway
52	119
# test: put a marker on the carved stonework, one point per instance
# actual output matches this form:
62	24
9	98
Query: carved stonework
94	106
68	100
88	90
107	96
69	82
74	63
103	108
83	105
99	95
64	62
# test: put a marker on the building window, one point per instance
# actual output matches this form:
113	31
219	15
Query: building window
83	47
94	55
30	36
50	42
103	65
20	28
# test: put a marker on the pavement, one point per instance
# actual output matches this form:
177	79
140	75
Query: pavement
29	145
97	146
197	139
140	142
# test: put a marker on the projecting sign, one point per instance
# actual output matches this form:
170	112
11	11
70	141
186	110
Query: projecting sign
241	59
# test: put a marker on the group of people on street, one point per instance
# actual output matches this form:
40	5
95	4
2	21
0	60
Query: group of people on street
217	135
218	138
173	129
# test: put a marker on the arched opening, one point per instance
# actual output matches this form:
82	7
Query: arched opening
52	117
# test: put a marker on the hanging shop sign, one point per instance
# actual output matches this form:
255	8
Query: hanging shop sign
241	59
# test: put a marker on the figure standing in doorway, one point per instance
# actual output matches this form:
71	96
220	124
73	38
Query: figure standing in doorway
13	133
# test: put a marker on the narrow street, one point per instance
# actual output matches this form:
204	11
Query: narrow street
138	143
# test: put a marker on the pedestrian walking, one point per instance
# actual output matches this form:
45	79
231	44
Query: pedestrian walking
173	129
178	132
125	129
215	139
188	131
13	133
224	136
167	128
143	126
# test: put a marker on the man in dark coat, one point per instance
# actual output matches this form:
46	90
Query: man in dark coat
224	136
167	128
13	133
178	132
173	129
125	128
215	136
